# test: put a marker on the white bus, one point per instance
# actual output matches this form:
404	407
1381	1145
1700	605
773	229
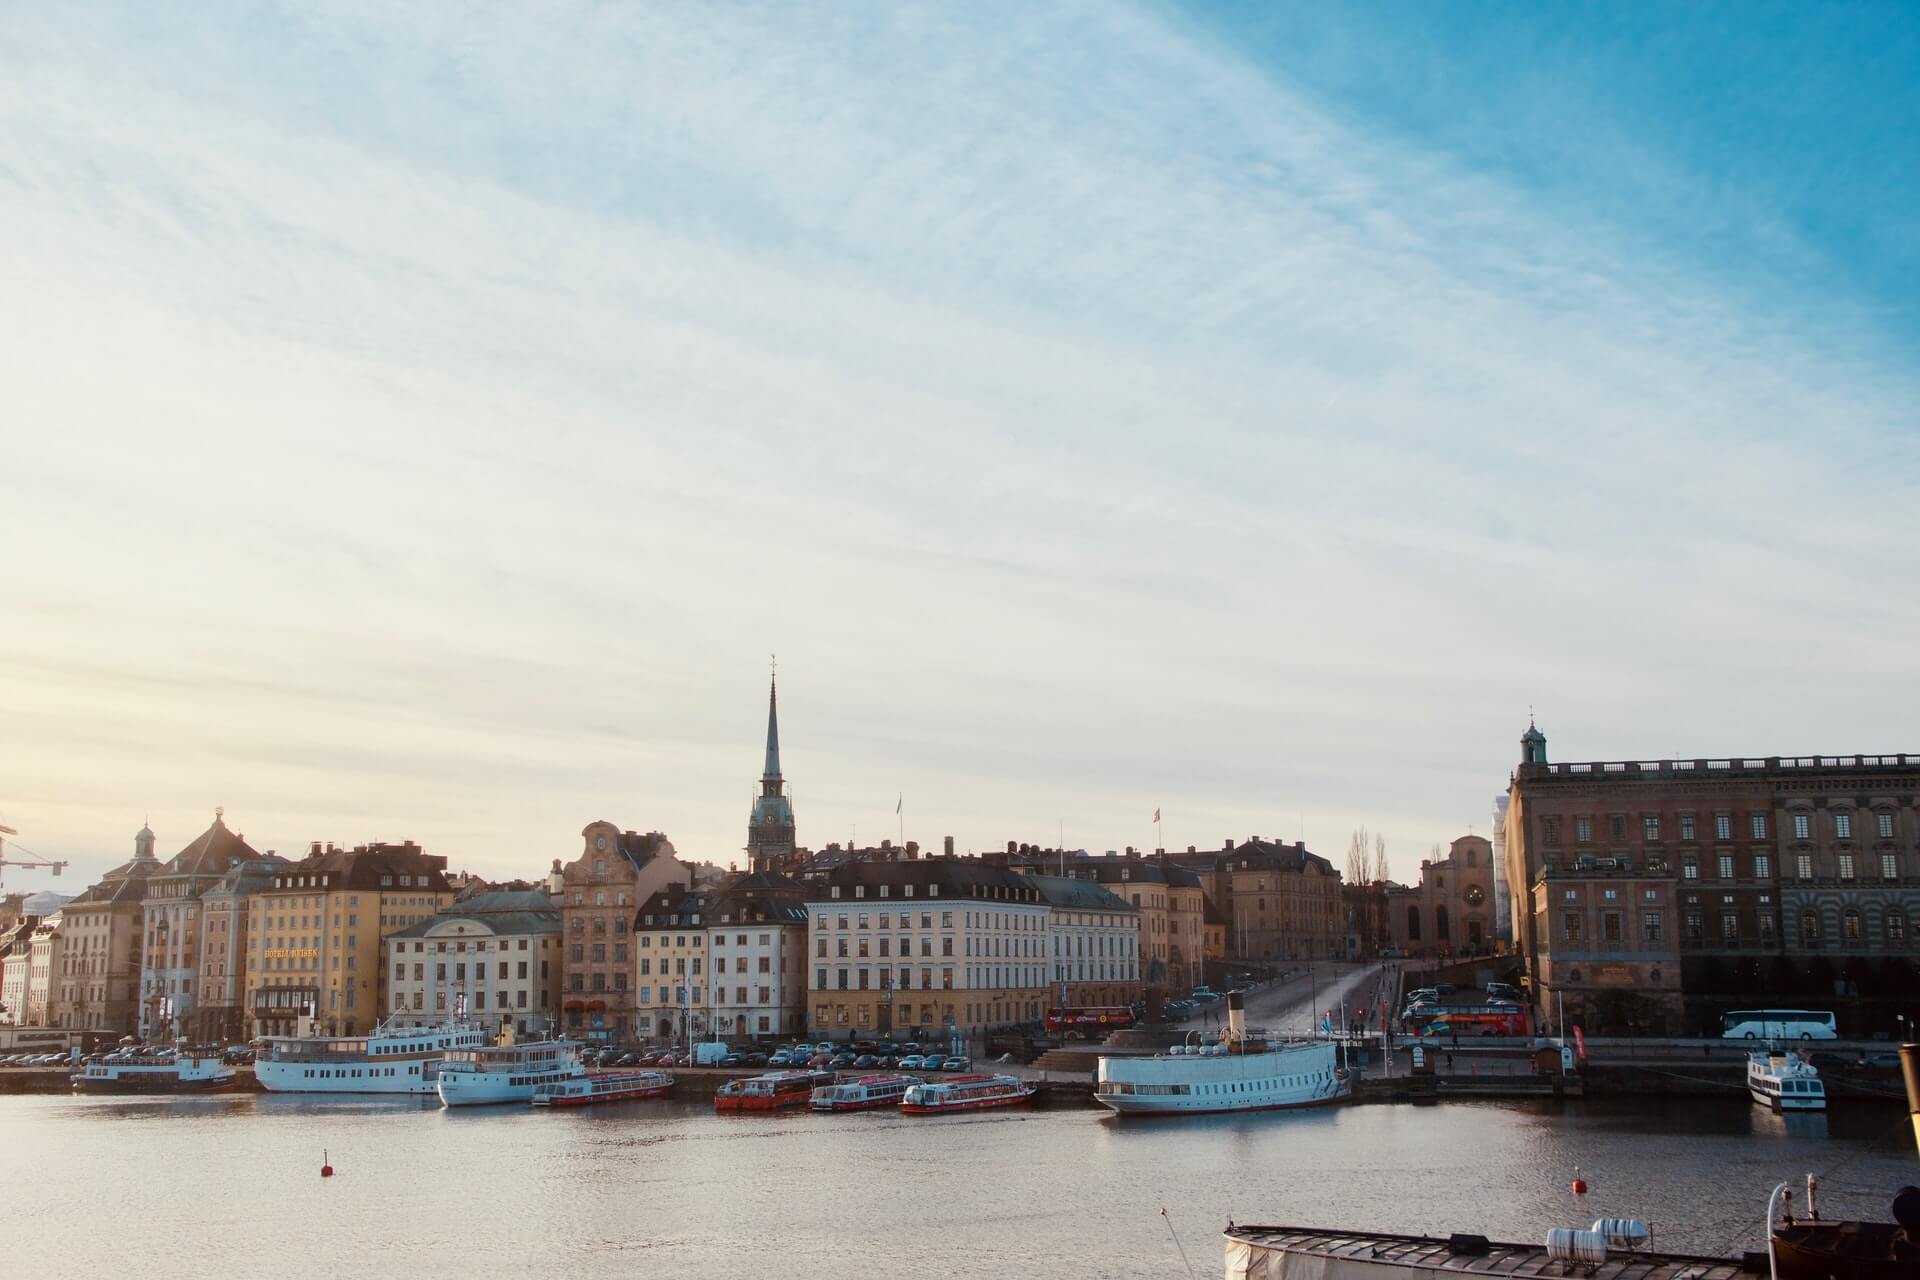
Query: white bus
1778	1024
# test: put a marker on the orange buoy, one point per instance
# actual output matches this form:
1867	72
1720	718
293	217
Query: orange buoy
1579	1183
326	1168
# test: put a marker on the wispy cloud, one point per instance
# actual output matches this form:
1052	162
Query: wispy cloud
465	404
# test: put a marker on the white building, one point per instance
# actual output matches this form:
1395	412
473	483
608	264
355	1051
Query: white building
726	963
43	963
1502	905
495	956
1093	943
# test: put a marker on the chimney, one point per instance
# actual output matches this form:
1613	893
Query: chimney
555	880
948	845
1236	1017
1226	846
913	851
1132	852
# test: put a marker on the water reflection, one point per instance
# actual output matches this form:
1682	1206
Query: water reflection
668	1188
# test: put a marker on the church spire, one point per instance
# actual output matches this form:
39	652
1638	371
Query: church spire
772	771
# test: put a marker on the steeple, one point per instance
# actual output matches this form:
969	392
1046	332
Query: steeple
1533	744
772	771
143	844
770	828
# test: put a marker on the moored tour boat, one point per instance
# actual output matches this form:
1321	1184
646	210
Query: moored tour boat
865	1094
965	1093
508	1072
1785	1082
154	1073
387	1059
607	1086
770	1092
1239	1073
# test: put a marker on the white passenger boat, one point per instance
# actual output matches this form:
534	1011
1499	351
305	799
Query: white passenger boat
388	1059
154	1073
1785	1082
965	1093
1238	1073
865	1094
604	1086
508	1072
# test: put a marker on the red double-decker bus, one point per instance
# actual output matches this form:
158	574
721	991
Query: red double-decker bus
1089	1020
1468	1020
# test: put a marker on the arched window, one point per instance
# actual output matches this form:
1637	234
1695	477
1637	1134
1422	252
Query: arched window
1896	927
1850	924
1809	926
1413	924
1471	855
1440	933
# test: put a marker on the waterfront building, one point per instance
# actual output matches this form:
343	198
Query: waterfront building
1283	902
909	947
102	935
43	969
220	1004
1451	911
492	957
1777	880
598	894
314	931
770	832
16	953
1502	898
1092	943
1171	901
171	933
727	962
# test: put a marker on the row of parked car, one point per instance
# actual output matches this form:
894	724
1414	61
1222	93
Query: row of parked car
34	1060
871	1055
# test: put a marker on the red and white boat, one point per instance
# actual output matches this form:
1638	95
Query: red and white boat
965	1093
868	1093
606	1086
770	1092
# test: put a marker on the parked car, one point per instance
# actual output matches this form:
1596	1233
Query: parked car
843	1060
865	1062
912	1062
957	1064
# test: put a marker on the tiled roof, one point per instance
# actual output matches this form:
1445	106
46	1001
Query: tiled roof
210	854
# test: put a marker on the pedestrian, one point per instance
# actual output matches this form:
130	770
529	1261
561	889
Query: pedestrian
1449	1062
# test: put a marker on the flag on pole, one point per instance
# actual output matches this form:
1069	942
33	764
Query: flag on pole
1156	815
899	802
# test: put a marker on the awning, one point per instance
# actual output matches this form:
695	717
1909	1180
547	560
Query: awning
596	1004
575	1004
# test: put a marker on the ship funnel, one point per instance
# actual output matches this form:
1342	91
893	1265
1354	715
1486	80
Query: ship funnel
1236	1017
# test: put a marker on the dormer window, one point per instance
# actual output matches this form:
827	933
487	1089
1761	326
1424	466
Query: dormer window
883	890
836	890
859	891
906	891
386	882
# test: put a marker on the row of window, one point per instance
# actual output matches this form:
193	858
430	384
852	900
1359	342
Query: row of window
1893	925
676	995
1845	865
477	999
460	971
1841	821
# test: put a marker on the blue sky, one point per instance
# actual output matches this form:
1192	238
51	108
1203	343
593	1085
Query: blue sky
424	423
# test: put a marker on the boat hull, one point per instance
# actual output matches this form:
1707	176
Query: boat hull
153	1084
870	1104
638	1091
1777	1103
1020	1099
758	1102
1284	1077
415	1078
1137	1106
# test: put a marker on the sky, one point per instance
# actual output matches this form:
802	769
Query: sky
424	422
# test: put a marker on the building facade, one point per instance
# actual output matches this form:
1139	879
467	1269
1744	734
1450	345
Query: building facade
599	892
726	963
172	934
220	1004
314	932
103	932
1785	880
923	947
492	958
1452	910
43	973
16	952
1092	943
1283	902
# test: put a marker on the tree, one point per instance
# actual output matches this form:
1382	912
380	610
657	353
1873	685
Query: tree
1379	866
1359	865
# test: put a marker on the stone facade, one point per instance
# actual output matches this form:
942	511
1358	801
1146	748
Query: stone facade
16	953
1282	903
1783	880
172	933
102	936
1093	943
490	958
220	1012
924	947
314	931
43	969
599	893
726	962
1451	911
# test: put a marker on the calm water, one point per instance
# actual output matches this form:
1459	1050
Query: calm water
230	1186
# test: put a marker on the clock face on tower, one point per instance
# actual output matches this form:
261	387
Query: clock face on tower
1475	895
600	843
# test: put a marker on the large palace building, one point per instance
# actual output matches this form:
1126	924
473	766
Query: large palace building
1656	895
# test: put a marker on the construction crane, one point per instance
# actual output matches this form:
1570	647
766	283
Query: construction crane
6	862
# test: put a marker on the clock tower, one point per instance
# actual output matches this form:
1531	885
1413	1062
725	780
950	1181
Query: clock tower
770	828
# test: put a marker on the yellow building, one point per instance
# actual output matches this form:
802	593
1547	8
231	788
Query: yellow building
314	933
